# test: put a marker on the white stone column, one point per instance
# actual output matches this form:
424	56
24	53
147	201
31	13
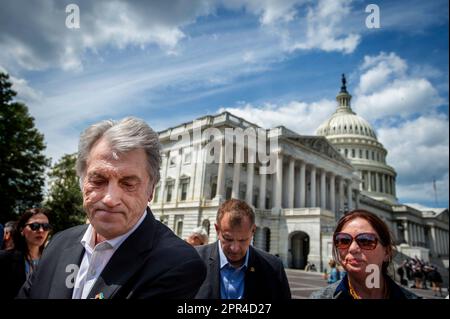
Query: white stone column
250	177
383	182
236	180
313	186
420	232
369	184
262	191
177	178
349	195
221	173
446	242
393	187
332	193
438	241
279	182
323	189
406	232
196	151
291	183
415	234
297	188
377	182
341	194
388	184
434	248
302	184
361	183
422	235
165	164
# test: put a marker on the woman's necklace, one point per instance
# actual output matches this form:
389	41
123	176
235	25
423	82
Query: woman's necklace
352	290
355	295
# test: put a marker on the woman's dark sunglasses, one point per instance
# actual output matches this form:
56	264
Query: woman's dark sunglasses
366	241
37	226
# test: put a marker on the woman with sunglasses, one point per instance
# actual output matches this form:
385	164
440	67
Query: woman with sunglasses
363	245
18	264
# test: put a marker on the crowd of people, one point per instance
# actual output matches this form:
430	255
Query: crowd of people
124	252
423	275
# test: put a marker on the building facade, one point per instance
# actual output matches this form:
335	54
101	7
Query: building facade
298	185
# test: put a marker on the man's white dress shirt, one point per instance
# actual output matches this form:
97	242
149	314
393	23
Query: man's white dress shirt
96	258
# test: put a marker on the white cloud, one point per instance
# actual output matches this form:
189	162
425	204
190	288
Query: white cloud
39	39
424	192
418	149
324	29
25	93
378	70
387	89
268	10
304	118
33	35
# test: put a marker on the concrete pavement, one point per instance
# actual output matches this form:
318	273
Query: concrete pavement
303	283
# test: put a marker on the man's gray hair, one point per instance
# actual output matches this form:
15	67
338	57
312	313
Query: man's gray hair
123	136
201	232
10	226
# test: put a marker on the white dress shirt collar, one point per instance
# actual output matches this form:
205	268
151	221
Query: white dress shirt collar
88	240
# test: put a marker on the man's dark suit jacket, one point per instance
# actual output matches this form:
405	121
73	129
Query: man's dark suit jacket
265	278
12	273
151	263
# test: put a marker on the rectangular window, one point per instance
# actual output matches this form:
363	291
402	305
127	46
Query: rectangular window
213	190
187	157
169	192
184	188
178	225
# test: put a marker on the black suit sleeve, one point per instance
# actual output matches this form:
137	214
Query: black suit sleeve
181	282
284	284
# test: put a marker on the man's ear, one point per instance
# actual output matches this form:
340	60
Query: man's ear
216	227
253	229
152	190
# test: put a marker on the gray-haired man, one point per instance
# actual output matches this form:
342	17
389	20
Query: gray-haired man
124	252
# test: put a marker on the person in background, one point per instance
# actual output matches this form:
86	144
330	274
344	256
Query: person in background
334	274
8	240
364	247
198	237
19	263
237	270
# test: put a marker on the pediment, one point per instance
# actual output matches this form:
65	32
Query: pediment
322	145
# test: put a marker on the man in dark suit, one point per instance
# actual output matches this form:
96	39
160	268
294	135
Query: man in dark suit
124	252
236	270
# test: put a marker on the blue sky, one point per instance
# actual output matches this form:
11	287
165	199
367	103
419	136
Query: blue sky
271	62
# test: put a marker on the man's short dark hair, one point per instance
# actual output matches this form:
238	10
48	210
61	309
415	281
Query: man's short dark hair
238	210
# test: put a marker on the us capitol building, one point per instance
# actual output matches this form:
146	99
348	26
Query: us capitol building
315	181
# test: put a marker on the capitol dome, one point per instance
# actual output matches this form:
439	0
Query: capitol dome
357	141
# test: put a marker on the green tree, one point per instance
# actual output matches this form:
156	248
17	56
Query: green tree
65	200
22	162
